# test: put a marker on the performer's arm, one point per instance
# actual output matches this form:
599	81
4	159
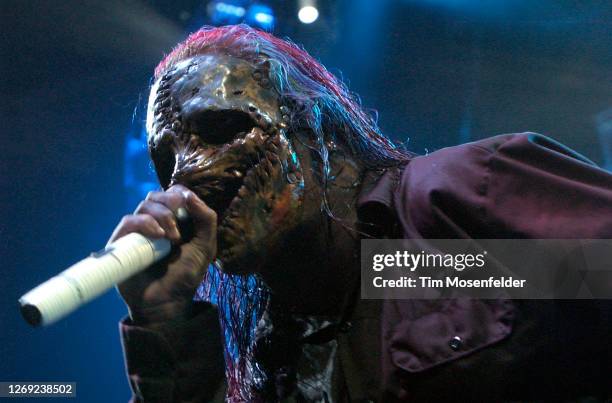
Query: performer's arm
172	345
176	362
510	186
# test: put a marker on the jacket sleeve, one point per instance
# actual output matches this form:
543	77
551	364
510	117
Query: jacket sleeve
179	362
509	186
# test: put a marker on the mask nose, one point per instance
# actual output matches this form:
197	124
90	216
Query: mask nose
188	163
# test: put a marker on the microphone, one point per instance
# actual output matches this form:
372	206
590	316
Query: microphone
94	275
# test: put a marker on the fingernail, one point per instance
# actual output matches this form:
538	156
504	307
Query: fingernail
176	232
186	194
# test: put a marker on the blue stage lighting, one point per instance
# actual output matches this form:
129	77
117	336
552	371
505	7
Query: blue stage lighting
260	16
139	176
226	12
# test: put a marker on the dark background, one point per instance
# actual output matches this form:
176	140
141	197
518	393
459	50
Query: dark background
74	79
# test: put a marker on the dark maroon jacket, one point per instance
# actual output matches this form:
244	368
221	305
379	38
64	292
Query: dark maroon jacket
508	186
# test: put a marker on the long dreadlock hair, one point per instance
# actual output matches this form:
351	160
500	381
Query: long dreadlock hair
331	113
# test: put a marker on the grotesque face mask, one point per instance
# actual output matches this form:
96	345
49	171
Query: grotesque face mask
217	126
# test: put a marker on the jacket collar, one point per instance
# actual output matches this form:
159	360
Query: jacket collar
376	202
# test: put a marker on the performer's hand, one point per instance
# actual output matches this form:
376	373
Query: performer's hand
164	292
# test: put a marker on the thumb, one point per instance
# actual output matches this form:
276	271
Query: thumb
204	223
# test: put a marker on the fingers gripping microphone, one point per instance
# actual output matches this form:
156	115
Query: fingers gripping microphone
91	277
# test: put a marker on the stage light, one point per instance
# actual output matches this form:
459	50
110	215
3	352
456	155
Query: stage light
264	18
230	9
226	12
261	16
308	14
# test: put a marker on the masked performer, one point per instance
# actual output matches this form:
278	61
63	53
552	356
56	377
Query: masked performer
283	173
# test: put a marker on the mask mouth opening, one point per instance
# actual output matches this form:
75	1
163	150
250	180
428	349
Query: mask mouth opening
220	193
241	180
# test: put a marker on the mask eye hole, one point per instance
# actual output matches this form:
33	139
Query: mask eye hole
220	127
